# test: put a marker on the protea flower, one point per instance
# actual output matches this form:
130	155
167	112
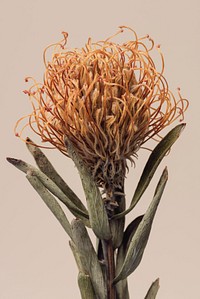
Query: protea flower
108	99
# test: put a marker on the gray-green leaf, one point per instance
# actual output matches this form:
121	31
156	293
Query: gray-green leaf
138	243
51	186
152	164
89	258
97	212
85	286
46	167
78	258
51	202
122	285
153	290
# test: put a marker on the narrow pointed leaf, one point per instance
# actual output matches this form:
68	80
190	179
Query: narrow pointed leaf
122	289
47	168
129	232
85	286
154	160
122	285
89	257
51	186
51	202
152	164
97	212
138	243
153	290
78	258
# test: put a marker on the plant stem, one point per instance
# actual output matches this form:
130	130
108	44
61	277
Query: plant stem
110	265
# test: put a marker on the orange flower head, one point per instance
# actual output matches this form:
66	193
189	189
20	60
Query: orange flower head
107	98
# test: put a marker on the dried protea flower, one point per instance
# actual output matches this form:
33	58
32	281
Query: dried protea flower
108	99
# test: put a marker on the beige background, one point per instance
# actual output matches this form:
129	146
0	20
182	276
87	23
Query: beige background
35	260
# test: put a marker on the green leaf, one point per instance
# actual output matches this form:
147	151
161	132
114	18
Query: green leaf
122	289
122	285
139	240
78	258
129	232
97	212
153	290
51	202
128	236
51	186
89	258
46	167
152	164
85	286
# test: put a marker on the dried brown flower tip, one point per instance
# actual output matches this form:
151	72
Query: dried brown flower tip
107	98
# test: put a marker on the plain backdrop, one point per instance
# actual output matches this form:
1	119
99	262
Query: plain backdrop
35	259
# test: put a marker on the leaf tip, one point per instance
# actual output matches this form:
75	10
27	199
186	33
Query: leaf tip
181	127
157	282
30	144
13	161
28	139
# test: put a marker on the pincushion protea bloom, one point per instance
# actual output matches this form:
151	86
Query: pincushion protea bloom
99	105
108	99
